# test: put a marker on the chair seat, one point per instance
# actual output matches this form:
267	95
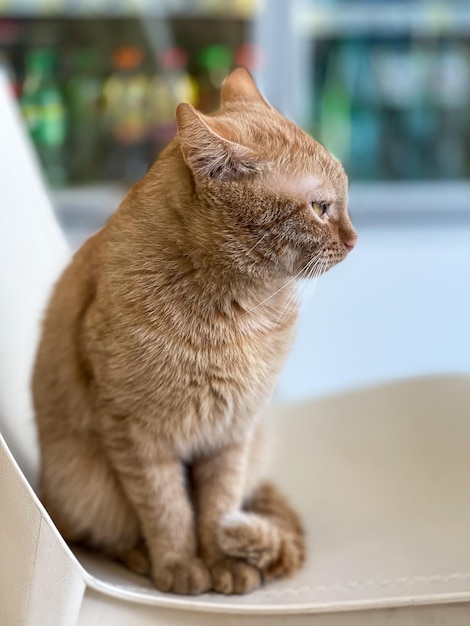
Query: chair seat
381	479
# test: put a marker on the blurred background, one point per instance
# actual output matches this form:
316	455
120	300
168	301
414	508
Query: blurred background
384	84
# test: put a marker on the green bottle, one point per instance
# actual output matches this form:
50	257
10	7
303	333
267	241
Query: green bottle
335	108
44	112
83	98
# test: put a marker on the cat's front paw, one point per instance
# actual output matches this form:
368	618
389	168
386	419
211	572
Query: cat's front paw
189	577
231	575
276	546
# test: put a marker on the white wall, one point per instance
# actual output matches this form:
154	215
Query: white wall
398	306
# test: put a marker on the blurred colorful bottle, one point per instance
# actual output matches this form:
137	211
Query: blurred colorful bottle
420	121
7	69
335	110
125	115
44	112
452	96
170	86
250	55
364	154
11	31
83	94
216	61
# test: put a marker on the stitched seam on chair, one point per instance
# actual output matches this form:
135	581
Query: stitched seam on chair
370	584
38	539
354	585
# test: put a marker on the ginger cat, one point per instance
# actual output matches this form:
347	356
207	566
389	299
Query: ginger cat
162	343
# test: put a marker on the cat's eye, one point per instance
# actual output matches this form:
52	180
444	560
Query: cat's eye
320	208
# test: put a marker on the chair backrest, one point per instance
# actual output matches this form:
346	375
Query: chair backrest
32	253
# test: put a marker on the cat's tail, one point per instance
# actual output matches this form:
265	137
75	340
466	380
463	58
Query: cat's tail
267	533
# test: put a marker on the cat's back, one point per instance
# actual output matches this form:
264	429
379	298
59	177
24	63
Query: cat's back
60	361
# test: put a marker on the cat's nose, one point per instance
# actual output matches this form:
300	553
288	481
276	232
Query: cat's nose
350	241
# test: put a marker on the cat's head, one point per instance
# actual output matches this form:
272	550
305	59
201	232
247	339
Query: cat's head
279	198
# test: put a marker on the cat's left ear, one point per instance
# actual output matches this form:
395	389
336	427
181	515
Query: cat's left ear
239	85
209	147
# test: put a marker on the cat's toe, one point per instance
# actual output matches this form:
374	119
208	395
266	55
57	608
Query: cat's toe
235	576
185	577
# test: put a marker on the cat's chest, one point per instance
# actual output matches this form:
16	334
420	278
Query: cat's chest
206	383
245	356
246	346
199	380
229	383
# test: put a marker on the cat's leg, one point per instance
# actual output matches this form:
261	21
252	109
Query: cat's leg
219	484
154	480
267	533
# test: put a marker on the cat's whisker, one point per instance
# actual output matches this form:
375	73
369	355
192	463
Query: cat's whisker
258	242
290	302
310	282
314	271
289	282
297	294
312	264
317	271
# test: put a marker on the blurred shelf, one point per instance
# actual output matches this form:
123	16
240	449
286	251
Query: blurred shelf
440	203
88	202
83	210
128	8
366	18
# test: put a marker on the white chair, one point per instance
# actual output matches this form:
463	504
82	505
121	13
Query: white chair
380	476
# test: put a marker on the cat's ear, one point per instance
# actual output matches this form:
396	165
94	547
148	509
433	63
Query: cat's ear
209	148
239	85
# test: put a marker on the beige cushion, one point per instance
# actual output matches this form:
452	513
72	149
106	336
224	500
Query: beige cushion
381	478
